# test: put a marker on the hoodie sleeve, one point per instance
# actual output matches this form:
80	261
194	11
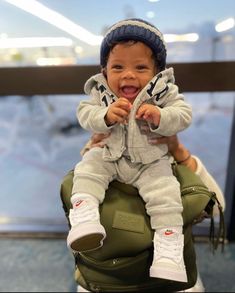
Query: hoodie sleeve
176	114
91	112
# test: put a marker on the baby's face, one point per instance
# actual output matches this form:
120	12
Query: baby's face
130	67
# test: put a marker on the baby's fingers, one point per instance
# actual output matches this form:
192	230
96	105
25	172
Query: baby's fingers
140	113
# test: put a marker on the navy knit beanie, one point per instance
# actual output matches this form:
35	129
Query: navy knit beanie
137	30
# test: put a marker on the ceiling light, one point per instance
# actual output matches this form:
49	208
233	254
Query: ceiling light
58	20
169	38
7	43
45	61
225	25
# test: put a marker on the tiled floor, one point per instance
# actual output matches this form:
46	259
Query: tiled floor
47	266
35	266
217	270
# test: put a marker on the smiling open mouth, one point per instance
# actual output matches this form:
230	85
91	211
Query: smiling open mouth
129	92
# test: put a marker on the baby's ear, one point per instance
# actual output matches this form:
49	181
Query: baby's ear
104	71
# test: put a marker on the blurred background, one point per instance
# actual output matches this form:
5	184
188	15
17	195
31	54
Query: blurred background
40	139
55	32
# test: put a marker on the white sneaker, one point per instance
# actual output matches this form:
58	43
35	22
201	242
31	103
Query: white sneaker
86	231
81	289
168	261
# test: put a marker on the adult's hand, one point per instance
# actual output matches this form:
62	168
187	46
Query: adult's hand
171	141
179	152
96	140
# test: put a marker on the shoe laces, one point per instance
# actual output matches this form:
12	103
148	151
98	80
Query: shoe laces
84	211
169	247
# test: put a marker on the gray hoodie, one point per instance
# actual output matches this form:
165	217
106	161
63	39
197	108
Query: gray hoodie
176	115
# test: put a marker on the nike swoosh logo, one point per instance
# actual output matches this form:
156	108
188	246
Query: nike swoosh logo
167	233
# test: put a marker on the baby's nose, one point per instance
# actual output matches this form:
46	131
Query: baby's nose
128	74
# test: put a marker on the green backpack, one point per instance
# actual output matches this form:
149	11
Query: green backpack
122	263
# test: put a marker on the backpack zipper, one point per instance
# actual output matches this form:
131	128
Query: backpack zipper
192	189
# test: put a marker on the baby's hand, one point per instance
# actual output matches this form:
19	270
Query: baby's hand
150	113
118	112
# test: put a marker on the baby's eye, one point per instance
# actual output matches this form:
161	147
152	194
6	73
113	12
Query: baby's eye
117	66
141	67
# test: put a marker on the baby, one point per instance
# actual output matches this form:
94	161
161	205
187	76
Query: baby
134	90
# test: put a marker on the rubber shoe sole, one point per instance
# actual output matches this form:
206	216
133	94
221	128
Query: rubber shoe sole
91	239
166	273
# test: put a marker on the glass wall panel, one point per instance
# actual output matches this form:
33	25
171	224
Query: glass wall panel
40	141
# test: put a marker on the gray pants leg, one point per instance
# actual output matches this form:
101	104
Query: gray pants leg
160	190
156	184
92	175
